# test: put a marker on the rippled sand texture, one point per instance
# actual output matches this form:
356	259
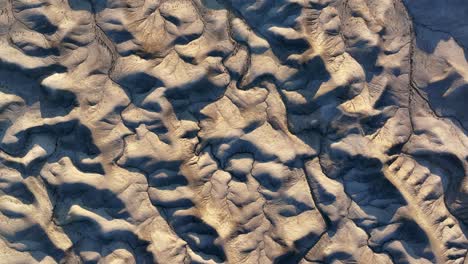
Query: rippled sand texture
236	131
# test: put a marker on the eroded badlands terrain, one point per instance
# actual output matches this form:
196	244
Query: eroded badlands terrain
235	131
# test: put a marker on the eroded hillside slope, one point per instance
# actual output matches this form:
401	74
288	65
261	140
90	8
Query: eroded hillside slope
234	131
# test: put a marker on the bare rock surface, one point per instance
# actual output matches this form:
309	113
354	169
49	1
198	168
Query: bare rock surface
233	131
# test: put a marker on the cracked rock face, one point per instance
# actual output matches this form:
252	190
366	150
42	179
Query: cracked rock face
234	131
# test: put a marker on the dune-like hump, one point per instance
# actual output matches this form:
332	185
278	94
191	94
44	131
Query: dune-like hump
233	131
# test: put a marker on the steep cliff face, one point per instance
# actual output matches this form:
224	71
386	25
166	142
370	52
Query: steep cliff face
233	131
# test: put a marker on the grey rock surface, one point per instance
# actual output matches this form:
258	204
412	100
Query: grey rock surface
233	131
